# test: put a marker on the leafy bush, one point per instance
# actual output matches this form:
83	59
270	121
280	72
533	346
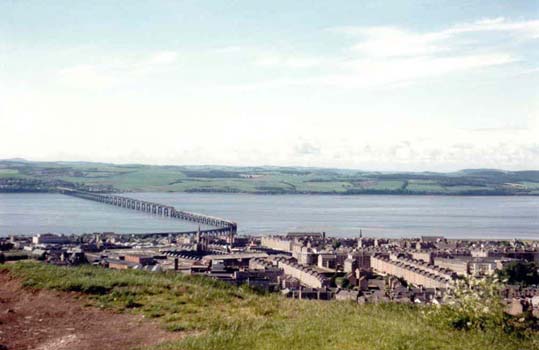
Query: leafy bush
520	272
472	304
342	282
476	304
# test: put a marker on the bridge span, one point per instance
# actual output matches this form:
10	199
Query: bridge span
221	226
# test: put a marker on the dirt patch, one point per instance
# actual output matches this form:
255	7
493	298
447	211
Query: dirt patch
48	320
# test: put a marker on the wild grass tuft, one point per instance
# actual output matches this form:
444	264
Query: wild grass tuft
218	316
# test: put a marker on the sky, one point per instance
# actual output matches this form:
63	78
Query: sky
371	85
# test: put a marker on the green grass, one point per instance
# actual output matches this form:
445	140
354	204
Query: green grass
276	180
224	317
323	187
382	185
531	185
464	188
140	179
9	172
425	186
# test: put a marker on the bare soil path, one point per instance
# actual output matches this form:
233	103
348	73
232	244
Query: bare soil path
49	320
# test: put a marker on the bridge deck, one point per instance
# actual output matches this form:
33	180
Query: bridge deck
221	226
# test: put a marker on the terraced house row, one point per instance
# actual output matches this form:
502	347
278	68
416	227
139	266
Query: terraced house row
306	275
413	272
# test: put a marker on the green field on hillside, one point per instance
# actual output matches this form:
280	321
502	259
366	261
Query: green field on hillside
425	186
217	316
270	180
9	172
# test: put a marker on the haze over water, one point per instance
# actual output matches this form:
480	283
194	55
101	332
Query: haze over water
376	215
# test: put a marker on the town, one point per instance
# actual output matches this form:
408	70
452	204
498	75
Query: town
303	265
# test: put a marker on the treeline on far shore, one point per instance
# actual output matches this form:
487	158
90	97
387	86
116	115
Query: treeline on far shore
26	176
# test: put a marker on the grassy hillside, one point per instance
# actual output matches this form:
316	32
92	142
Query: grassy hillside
217	316
146	178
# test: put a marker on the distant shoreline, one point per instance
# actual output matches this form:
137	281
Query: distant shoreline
344	194
25	176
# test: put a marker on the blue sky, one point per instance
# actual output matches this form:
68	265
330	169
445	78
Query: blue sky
385	85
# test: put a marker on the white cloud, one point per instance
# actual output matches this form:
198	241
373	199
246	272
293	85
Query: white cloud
287	61
393	41
392	56
87	76
160	58
372	72
227	49
386	129
117	71
306	148
388	73
525	29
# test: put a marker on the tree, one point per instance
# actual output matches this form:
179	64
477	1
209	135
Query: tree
342	282
476	303
520	272
471	304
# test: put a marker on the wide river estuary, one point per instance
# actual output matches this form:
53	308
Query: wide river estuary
375	215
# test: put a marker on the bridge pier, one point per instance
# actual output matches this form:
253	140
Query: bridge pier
222	226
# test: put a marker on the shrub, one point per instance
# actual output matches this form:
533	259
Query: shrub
472	304
476	304
520	272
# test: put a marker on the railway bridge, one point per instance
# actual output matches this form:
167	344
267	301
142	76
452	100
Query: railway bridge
220	226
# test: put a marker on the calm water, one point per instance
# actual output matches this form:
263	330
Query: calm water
391	216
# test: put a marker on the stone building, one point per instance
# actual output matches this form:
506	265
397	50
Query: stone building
459	265
424	255
412	272
49	238
277	243
482	267
304	254
327	260
357	259
306	275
